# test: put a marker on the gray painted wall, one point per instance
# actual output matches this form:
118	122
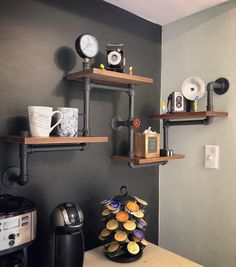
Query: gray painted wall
197	205
37	49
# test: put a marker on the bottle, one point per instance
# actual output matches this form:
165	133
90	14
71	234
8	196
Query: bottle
195	104
163	107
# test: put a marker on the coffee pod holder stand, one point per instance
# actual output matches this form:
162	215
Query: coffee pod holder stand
122	254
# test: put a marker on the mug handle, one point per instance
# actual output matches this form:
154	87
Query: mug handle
53	113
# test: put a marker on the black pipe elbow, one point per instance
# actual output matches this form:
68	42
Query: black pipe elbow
208	120
136	166
84	146
22	179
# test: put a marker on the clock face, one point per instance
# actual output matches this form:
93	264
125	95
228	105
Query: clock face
86	46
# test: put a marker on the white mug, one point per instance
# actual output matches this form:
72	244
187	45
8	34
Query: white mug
40	119
69	124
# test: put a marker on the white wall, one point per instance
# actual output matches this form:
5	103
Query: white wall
198	205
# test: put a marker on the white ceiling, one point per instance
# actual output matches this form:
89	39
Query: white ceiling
164	11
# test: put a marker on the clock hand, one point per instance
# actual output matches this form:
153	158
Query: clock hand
86	46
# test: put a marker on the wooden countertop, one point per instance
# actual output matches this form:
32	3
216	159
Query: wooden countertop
153	256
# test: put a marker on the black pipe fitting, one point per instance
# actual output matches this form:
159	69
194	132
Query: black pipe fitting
109	87
131	115
87	89
23	177
136	166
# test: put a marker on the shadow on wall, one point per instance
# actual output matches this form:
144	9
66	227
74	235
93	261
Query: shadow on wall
65	59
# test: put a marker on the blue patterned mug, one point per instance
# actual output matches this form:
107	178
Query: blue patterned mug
68	126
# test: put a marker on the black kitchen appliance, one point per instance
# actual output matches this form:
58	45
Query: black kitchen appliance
67	236
18	218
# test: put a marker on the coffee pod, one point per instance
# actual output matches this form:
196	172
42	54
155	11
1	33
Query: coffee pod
133	248
143	243
114	206
106	201
135	239
105	233
129	225
113	247
122	216
138	214
112	225
101	238
106	215
131	207
121	236
141	202
105	212
141	224
138	234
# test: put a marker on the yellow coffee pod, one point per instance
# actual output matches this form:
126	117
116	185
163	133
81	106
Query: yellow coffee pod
106	212
144	242
113	247
141	201
122	216
111	208
101	238
105	232
132	206
112	225
106	202
138	214
129	225
121	236
133	248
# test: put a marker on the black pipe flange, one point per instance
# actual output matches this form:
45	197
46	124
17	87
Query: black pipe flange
10	177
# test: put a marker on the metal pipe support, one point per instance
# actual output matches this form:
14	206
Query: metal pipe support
136	166
23	177
109	87
131	116
53	148
87	89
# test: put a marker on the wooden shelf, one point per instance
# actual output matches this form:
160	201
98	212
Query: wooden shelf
147	160
53	140
109	77
188	115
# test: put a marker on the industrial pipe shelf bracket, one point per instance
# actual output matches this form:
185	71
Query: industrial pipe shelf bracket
117	123
136	166
220	87
13	176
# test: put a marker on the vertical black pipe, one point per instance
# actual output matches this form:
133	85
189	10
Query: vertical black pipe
87	90
165	134
23	177
210	88
131	116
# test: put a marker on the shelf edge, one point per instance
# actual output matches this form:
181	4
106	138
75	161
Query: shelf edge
53	140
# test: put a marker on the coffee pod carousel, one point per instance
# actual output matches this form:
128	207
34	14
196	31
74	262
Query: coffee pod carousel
123	234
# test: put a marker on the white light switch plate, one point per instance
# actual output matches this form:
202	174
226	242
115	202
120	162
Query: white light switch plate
212	153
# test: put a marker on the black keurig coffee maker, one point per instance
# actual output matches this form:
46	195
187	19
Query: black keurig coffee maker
67	236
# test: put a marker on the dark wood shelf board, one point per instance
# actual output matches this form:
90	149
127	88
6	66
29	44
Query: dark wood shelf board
188	115
53	140
147	160
109	77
